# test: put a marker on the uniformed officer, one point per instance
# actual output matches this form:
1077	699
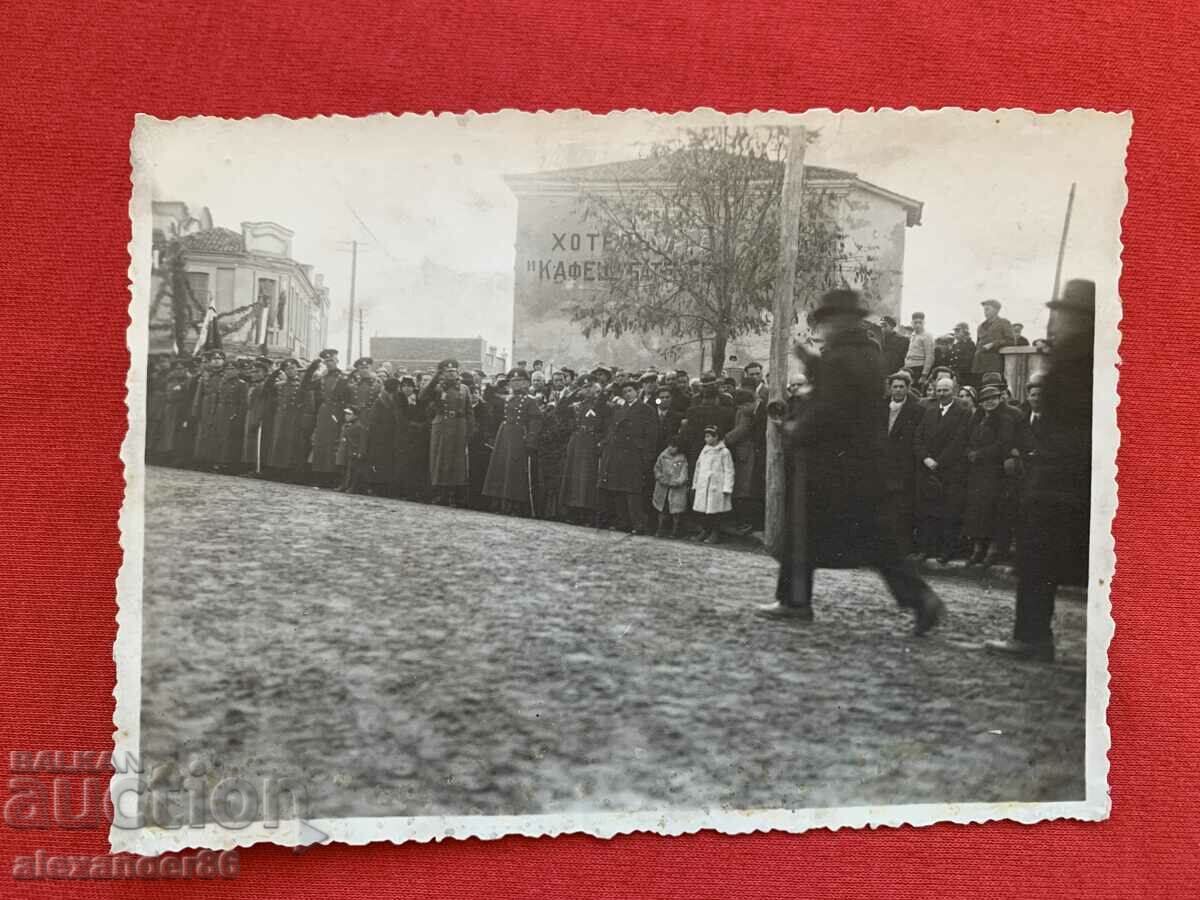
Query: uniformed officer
508	480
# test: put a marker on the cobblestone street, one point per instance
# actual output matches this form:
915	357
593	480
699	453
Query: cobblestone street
402	659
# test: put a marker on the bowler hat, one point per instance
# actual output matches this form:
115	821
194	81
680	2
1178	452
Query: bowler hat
840	302
1079	294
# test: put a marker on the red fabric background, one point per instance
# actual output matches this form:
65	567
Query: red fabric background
74	74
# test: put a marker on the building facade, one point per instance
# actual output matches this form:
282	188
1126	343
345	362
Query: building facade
421	354
262	296
560	251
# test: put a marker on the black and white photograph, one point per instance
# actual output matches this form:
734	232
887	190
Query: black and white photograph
537	473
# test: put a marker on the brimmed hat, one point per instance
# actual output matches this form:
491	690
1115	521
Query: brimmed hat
992	378
601	370
903	375
648	376
991	392
990	302
1079	294
840	302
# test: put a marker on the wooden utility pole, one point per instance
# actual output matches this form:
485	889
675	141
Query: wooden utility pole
790	205
360	332
1062	244
350	322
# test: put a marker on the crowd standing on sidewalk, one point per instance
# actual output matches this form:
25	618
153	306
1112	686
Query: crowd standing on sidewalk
962	469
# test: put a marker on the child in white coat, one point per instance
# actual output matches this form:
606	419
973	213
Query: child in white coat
713	483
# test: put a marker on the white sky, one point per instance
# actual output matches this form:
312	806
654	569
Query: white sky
425	198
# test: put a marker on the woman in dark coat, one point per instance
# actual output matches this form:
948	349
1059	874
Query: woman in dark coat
412	443
989	438
382	436
577	492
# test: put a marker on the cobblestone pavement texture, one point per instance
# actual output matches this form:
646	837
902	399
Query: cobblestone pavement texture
402	659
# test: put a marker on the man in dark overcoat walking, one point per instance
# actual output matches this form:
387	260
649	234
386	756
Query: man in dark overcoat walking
1052	542
837	428
509	470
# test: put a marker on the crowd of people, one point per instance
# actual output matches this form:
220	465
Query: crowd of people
637	451
610	448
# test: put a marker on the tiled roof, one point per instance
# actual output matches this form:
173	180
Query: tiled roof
647	168
215	240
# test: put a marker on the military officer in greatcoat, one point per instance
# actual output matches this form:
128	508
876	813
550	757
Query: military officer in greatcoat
231	413
204	410
448	403
508	476
283	454
363	385
327	426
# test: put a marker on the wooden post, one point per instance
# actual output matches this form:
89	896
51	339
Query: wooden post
1062	244
781	330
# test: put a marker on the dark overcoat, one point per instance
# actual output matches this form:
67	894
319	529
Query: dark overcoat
989	438
156	412
508	470
204	419
331	395
629	449
175	411
942	437
286	443
558	424
747	441
412	448
837	431
899	470
382	428
996	331
581	461
452	420
231	416
1056	503
256	434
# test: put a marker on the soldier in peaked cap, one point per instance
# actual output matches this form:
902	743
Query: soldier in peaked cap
287	401
448	407
204	410
837	428
509	476
1056	503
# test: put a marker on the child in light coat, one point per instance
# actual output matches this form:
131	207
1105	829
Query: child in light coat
670	487
713	483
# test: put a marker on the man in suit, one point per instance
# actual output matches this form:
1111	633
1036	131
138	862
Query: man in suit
903	415
835	435
994	334
626	458
939	446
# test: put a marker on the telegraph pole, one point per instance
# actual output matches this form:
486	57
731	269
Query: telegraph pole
350	322
360	332
783	311
1062	244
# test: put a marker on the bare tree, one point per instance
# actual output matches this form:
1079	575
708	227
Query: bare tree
692	244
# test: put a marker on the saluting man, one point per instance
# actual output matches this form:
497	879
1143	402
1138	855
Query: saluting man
507	481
